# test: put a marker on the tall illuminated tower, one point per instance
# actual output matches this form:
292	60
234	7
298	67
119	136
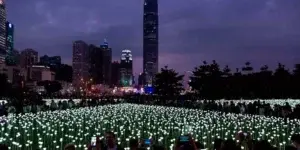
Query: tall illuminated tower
150	40
106	60
3	48
80	63
126	73
10	58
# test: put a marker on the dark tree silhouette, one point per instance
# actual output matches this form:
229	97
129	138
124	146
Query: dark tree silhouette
63	72
5	86
168	82
209	81
51	86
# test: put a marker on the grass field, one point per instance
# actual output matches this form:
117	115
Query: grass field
52	130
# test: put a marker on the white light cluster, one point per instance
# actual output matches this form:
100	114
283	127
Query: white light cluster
126	53
53	130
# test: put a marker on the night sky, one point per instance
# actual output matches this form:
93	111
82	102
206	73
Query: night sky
229	31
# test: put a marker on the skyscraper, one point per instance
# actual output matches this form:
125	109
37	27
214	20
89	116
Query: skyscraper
10	59
126	68
107	59
2	31
80	63
53	61
115	73
150	40
96	64
28	58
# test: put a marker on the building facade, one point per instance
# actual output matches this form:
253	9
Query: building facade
40	73
96	64
126	73
10	59
28	58
141	80
16	57
3	49
50	61
150	39
115	73
15	74
80	63
107	59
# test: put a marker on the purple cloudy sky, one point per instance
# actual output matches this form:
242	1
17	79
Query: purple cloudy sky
229	31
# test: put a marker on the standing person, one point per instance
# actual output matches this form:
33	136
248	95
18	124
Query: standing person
296	141
3	147
111	142
70	147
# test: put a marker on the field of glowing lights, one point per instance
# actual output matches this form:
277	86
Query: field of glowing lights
53	130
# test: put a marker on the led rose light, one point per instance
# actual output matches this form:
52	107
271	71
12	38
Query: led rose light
53	130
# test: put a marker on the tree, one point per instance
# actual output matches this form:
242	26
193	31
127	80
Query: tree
168	82
206	80
51	86
63	73
4	85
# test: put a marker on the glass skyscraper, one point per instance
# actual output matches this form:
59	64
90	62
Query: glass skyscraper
10	57
3	48
126	73
150	40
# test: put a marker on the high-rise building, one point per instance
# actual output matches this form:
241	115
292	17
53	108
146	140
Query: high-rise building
115	73
80	63
96	64
107	59
16	57
141	79
126	68
10	59
28	58
50	61
150	39
3	48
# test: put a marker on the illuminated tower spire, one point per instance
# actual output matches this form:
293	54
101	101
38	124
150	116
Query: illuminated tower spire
105	42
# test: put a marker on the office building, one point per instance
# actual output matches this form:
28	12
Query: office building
150	39
10	59
3	49
126	68
96	64
16	57
50	61
28	58
115	73
80	63
40	73
15	74
107	59
141	80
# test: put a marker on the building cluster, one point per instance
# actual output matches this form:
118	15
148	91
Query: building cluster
93	64
28	68
23	67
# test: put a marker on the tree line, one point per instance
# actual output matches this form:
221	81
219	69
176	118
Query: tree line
210	81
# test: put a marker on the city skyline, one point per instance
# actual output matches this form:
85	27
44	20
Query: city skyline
229	31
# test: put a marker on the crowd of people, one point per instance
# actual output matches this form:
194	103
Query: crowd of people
255	108
242	141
